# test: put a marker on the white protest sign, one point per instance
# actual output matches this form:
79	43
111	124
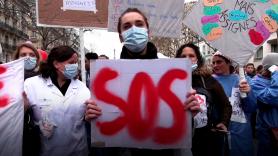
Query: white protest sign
237	28
237	113
165	17
142	103
81	5
11	108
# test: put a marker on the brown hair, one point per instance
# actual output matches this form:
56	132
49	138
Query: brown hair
128	11
30	46
60	54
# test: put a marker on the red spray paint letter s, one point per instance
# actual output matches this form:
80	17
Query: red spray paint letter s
4	100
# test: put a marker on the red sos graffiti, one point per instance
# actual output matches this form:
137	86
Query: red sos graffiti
4	100
139	127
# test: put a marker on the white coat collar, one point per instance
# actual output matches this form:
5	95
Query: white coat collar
71	90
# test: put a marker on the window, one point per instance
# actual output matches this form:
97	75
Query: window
6	39
259	54
274	48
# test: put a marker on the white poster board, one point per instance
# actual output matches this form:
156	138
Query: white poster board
142	103
165	17
11	108
237	28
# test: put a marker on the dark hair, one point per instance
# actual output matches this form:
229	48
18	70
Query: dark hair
128	11
228	61
91	56
30	46
60	54
102	55
249	64
196	50
259	69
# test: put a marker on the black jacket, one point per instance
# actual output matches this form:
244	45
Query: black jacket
150	54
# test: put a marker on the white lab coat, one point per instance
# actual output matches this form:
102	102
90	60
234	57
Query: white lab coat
65	113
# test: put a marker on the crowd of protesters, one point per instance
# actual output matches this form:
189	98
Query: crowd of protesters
59	107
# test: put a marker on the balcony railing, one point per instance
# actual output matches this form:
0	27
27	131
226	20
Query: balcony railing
8	47
17	32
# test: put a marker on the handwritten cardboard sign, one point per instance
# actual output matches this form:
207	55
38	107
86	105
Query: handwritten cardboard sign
72	13
142	103
11	107
237	28
165	17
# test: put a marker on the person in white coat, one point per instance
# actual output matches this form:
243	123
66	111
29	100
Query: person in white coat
59	102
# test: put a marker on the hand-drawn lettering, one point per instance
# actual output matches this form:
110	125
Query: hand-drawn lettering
143	127
237	15
214	34
173	134
210	19
139	127
208	27
262	29
247	7
269	23
101	93
212	2
4	99
213	10
255	37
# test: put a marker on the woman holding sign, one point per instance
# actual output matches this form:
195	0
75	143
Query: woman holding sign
133	29
241	140
31	140
58	100
210	124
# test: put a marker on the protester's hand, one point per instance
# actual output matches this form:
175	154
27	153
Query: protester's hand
273	68
192	103
92	110
220	128
25	101
244	86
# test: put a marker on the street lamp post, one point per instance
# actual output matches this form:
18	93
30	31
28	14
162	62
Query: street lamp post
82	54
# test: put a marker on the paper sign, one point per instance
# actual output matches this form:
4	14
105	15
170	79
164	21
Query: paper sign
269	23
212	2
237	111
260	27
142	103
240	24
11	108
201	119
275	8
214	34
164	17
72	13
82	5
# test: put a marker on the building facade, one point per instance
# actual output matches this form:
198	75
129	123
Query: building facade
18	25
13	27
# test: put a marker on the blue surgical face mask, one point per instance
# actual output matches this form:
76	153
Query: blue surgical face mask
135	39
30	63
194	66
71	70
